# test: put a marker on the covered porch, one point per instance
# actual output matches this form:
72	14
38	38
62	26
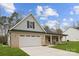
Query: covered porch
53	39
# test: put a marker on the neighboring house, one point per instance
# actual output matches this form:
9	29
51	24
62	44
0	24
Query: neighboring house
28	32
73	34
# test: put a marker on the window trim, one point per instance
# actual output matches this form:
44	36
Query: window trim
30	24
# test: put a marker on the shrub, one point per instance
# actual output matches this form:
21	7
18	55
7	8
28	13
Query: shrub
67	40
3	40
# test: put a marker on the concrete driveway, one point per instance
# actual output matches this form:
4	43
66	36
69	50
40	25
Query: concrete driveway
46	51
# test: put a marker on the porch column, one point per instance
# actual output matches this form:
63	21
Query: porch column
59	40
44	41
50	39
65	37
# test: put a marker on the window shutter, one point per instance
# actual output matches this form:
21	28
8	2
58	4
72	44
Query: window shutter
33	25
27	24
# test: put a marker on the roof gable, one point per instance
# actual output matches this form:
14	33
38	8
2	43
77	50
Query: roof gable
72	31
22	25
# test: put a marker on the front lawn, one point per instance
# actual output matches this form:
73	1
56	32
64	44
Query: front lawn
69	46
7	51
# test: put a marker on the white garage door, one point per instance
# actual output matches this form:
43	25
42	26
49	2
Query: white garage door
29	41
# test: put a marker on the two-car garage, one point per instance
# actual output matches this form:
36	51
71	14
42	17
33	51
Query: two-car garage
25	39
29	40
27	32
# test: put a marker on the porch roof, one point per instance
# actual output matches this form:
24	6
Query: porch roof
48	31
57	34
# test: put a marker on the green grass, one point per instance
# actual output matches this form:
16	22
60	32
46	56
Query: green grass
7	51
69	46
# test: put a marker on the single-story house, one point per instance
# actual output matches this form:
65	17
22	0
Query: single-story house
28	32
73	34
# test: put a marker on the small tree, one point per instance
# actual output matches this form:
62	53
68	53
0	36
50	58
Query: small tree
46	27
8	22
59	31
14	18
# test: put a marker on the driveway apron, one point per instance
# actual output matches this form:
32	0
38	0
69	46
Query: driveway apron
46	51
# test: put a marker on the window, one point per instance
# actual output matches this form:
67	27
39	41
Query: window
22	35
38	36
27	24
30	24
27	35
33	35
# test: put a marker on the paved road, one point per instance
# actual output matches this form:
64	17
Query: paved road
46	51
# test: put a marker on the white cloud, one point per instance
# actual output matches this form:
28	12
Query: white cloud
71	12
50	12
76	9
43	18
71	19
42	24
52	23
64	19
45	11
68	20
65	24
39	9
9	7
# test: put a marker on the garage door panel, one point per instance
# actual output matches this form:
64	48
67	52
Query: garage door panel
29	41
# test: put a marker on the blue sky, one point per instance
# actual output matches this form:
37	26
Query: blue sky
46	13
